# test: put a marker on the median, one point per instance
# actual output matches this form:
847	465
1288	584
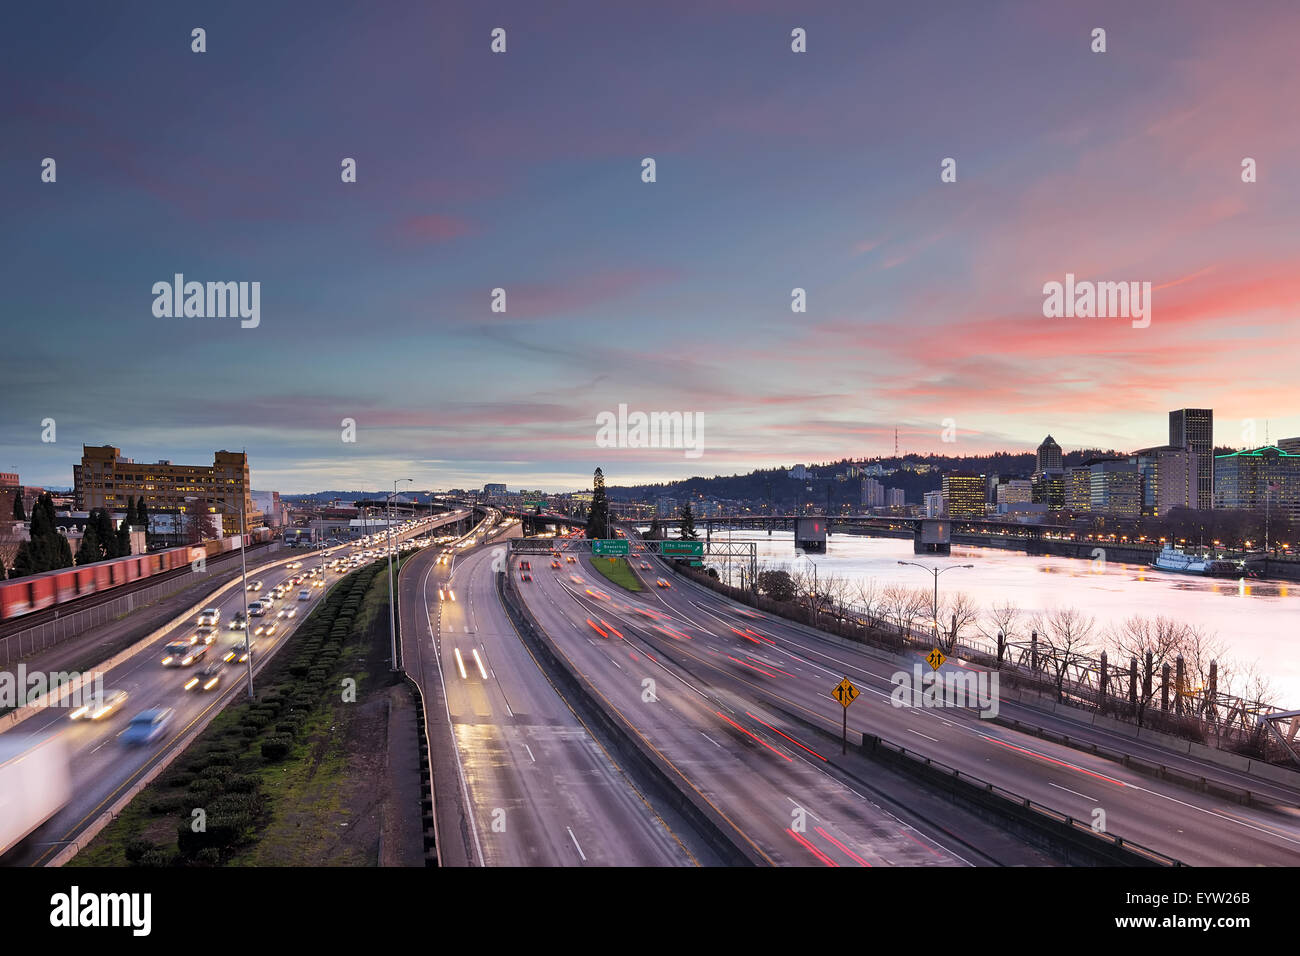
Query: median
618	571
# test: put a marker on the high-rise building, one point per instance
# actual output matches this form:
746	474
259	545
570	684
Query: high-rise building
1014	491
1259	479
1168	478
1194	428
895	498
963	495
1049	455
107	480
932	504
1290	445
873	493
1078	489
1115	488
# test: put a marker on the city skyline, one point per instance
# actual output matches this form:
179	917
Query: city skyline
925	306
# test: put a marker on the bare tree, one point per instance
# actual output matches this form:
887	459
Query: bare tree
1068	635
1001	619
958	612
903	605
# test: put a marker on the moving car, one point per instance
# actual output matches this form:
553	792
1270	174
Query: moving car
147	725
239	622
304	595
183	653
257	609
205	635
100	707
555	564
525	576
266	630
209	615
254	585
571	559
661	583
238	653
207	678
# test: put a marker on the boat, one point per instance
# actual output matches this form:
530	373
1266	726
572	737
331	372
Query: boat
1177	560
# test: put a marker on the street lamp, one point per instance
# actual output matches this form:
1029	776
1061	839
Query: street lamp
936	572
392	612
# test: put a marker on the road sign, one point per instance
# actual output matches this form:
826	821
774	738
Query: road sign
609	547
935	659
535	504
845	692
692	548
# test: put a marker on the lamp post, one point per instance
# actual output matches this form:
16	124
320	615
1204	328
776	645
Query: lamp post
936	572
392	612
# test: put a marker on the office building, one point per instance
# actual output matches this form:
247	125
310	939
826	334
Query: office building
932	504
1262	479
1169	476
105	479
873	493
1013	491
895	498
1193	428
1049	456
963	495
1115	487
1077	485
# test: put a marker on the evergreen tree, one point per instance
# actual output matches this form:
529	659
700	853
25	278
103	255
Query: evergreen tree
688	522
598	516
62	552
22	562
142	514
656	529
20	513
2	569
123	538
88	553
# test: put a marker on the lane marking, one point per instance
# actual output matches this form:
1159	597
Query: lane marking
575	843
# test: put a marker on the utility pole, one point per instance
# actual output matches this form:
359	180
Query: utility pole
392	612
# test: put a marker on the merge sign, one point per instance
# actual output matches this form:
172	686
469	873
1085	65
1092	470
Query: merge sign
692	548
609	547
845	692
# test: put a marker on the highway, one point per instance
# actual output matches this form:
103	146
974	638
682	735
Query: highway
776	792
102	766
539	788
742	679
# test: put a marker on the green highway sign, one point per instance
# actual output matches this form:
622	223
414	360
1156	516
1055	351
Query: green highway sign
693	548
534	504
609	547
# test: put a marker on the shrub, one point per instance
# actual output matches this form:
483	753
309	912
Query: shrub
276	748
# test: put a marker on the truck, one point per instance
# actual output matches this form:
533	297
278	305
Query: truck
34	784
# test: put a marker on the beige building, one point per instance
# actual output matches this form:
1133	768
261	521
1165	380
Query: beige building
105	479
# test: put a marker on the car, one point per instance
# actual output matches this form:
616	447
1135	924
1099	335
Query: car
239	651
555	564
526	565
645	565
147	725
265	630
239	622
575	579
571	559
99	707
183	653
255	585
661	583
209	615
257	609
205	635
296	579
294	565
288	612
208	678
304	595
525	576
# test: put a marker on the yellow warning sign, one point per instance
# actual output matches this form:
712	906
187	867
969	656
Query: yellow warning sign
935	659
845	692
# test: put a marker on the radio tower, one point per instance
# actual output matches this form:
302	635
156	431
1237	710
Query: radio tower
895	442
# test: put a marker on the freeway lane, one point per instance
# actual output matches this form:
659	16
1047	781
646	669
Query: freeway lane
541	790
776	792
102	767
772	663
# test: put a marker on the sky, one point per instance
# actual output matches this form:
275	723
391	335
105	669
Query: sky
522	170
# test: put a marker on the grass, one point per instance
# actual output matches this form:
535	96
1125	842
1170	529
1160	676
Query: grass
618	571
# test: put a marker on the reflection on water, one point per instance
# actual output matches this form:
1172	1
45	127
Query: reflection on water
1256	620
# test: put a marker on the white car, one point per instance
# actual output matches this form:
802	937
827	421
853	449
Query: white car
100	707
209	616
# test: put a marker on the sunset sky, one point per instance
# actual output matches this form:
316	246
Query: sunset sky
522	170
